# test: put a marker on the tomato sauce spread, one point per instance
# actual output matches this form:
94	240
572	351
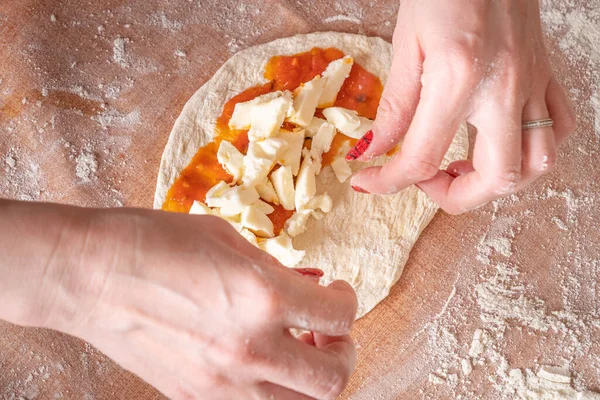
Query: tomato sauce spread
361	92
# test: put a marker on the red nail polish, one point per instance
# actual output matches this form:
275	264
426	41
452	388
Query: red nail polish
310	272
361	146
359	190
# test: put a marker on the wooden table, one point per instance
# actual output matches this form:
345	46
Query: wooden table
88	94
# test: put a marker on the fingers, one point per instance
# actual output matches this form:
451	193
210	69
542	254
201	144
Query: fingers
319	372
398	103
443	104
497	160
327	310
539	146
560	110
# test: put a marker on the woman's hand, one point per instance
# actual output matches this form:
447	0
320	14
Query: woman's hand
184	302
476	60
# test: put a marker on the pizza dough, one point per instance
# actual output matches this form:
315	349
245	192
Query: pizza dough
366	239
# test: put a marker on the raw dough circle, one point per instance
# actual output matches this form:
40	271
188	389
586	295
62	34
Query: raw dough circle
365	240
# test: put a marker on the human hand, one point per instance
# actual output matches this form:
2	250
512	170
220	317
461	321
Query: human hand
476	60
195	310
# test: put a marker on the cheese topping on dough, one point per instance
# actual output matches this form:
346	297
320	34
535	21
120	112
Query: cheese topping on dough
277	168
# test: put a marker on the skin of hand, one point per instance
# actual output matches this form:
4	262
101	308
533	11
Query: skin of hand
476	60
182	301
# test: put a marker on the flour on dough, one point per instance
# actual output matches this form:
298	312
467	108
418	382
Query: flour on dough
365	240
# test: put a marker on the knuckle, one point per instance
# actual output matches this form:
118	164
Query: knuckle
569	121
420	169
507	182
337	383
393	107
546	163
182	393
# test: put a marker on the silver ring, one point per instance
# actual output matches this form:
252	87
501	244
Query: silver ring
540	123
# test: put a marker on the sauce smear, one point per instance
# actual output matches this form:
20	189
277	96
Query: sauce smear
361	92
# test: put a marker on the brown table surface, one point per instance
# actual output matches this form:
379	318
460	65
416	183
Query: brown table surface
89	92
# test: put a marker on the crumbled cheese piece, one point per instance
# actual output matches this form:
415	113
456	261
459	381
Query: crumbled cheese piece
199	208
292	153
296	225
257	221
313	128
249	236
267	192
281	248
241	118
216	191
268	117
348	122
231	159
283	182
306	100
341	169
257	165
306	184
233	201
264	207
335	74
321	144
323	202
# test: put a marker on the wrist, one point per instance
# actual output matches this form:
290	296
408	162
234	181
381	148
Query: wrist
50	263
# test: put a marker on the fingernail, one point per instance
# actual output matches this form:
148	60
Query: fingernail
361	146
360	190
310	272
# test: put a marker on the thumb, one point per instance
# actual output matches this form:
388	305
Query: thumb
398	103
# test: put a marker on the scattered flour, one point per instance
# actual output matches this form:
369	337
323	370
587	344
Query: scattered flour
119	51
86	167
342	17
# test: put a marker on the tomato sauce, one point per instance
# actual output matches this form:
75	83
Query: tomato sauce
361	92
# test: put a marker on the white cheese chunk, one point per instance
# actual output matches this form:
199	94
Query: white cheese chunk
264	207
296	225
292	153
257	221
231	159
267	192
283	182
233	201
268	117
323	202
241	118
249	236
282	249
341	169
313	128
257	165
366	125
199	208
306	184
215	192
321	144
335	74
306	98
272	148
346	121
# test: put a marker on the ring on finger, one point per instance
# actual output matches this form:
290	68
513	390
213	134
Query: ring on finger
538	123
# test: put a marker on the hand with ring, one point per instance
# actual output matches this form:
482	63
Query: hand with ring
480	61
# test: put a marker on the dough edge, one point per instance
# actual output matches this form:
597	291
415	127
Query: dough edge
382	230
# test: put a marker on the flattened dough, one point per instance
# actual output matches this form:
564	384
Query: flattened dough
365	240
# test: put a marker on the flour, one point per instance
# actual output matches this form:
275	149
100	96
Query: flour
114	118
86	167
161	19
119	51
342	17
